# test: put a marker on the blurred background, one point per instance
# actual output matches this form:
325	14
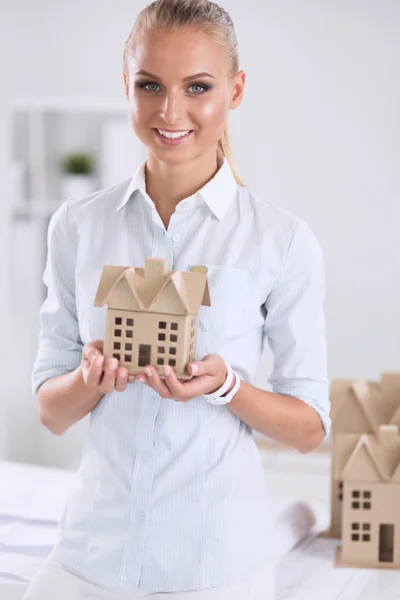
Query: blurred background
318	133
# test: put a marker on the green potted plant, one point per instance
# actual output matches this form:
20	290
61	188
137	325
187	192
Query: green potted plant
77	174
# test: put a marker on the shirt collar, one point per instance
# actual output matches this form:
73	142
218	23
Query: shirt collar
217	193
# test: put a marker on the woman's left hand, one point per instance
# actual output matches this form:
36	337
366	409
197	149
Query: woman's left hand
210	375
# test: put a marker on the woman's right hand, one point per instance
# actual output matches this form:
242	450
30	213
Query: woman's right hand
97	374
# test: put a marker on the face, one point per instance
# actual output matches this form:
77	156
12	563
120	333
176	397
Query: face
166	92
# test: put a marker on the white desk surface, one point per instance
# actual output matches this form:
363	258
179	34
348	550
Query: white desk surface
306	573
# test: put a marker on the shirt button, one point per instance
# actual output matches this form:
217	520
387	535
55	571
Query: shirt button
148	455
176	238
142	516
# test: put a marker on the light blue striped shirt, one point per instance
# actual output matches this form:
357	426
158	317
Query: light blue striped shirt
172	496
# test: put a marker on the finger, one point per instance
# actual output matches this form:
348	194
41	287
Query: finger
96	345
91	354
122	379
174	385
197	386
95	371
108	382
208	365
155	381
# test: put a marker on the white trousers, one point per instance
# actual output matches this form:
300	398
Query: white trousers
54	581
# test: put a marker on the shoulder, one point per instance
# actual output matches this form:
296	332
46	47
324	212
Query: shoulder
97	204
67	221
273	223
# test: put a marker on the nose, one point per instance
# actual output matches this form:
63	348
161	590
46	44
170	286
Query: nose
172	110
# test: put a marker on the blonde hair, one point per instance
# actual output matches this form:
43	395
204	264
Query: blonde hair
172	15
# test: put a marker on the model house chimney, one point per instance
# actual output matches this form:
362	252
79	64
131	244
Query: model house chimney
155	266
388	435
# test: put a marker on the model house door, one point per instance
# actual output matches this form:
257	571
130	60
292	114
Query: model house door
386	543
144	355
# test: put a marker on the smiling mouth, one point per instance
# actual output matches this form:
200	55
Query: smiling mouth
175	133
174	139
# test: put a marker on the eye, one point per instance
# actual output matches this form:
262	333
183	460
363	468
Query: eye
201	87
144	85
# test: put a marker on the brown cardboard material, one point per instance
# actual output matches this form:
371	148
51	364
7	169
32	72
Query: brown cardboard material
152	314
365	490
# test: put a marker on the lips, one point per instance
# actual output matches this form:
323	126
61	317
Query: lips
172	141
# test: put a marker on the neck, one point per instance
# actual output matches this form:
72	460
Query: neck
168	184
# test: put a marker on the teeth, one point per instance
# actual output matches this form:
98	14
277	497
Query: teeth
172	136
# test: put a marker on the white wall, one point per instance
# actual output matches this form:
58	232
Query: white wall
317	133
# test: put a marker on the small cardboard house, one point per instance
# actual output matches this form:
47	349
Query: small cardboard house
365	492
152	314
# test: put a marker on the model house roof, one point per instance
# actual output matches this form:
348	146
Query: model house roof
362	406
153	288
375	457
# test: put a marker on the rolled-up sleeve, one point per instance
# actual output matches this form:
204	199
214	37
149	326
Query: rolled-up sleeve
59	342
295	325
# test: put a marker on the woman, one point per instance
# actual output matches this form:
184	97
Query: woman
171	494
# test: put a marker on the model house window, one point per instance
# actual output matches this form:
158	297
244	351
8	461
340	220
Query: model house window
356	536
340	491
173	338
367	495
355	503
124	330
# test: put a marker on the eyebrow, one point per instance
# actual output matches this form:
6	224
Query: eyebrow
204	74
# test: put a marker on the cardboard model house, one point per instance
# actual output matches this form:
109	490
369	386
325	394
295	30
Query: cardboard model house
152	314
365	491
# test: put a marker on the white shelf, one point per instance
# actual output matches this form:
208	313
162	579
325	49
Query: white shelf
43	130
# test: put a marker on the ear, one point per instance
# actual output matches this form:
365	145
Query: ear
238	89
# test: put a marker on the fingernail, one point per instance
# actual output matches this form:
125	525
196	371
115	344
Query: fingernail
167	370
149	372
195	369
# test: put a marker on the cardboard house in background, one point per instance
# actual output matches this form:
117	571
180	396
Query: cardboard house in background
365	492
152	314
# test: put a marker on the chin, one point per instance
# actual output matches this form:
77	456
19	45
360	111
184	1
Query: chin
171	158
